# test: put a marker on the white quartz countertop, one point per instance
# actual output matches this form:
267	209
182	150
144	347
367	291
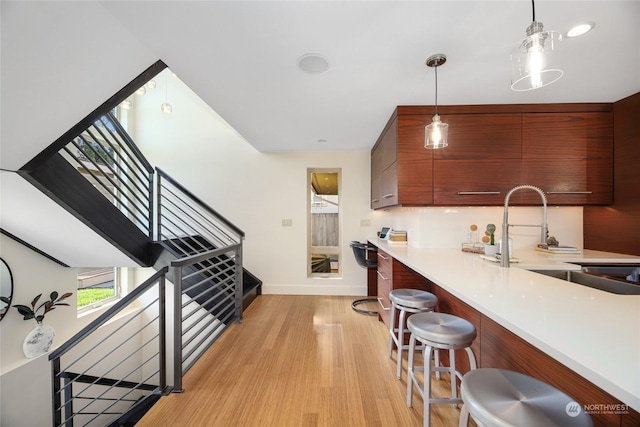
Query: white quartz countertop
594	333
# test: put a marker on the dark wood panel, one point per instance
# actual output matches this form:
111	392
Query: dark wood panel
554	136
376	192
389	194
415	163
444	110
630	419
482	136
503	349
385	283
617	228
447	303
453	178
566	176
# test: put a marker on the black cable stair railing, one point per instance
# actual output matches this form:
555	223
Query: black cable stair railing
207	272
96	381
112	162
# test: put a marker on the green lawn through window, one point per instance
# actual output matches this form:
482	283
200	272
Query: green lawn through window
89	296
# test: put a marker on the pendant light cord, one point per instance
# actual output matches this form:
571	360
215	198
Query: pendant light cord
533	8
436	67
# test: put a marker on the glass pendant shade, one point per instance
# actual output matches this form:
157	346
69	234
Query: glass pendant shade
436	134
532	60
166	108
126	104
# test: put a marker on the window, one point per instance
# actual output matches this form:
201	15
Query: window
97	286
323	223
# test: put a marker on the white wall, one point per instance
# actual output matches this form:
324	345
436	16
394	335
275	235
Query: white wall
254	190
23	405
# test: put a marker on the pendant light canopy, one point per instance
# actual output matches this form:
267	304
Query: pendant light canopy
532	65
436	133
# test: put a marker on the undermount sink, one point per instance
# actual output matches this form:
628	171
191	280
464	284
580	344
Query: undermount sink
594	277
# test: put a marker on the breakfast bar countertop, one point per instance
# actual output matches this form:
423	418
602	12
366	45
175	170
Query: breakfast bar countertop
592	332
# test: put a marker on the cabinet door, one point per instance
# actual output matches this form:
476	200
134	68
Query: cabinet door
564	182
376	192
389	184
415	163
474	182
482	137
554	136
569	156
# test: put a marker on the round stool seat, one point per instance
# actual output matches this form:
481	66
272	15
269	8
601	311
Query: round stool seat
414	298
497	397
442	328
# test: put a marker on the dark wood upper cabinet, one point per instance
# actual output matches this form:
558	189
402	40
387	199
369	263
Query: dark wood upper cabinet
569	156
482	136
565	149
401	169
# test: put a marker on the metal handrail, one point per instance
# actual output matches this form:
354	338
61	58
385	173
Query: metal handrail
120	364
214	299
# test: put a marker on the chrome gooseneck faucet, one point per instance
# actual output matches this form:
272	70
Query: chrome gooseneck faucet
544	229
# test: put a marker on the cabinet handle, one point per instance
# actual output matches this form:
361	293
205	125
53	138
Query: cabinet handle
383	278
375	200
382	305
388	196
474	193
569	192
382	256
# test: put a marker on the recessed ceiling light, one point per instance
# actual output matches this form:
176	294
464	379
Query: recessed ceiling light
313	63
581	29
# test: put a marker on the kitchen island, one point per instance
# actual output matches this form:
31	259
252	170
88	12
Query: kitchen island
595	334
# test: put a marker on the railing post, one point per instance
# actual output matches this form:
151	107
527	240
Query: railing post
239	283
162	319
68	402
177	330
56	402
158	206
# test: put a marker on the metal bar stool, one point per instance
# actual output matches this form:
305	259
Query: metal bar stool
406	301
497	398
437	331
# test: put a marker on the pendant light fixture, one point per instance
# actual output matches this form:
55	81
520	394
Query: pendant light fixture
435	133
532	59
166	108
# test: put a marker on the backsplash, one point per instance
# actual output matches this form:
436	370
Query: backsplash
448	227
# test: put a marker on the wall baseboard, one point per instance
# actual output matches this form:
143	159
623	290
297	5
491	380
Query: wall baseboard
314	290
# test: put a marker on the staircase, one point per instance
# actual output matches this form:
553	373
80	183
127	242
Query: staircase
139	349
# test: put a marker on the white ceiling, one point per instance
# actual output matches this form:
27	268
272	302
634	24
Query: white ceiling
240	57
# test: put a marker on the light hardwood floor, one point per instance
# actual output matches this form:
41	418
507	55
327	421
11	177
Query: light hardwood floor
299	361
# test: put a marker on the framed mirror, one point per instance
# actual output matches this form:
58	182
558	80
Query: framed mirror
6	288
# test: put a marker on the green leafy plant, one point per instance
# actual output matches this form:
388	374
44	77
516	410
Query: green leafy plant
491	229
51	304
